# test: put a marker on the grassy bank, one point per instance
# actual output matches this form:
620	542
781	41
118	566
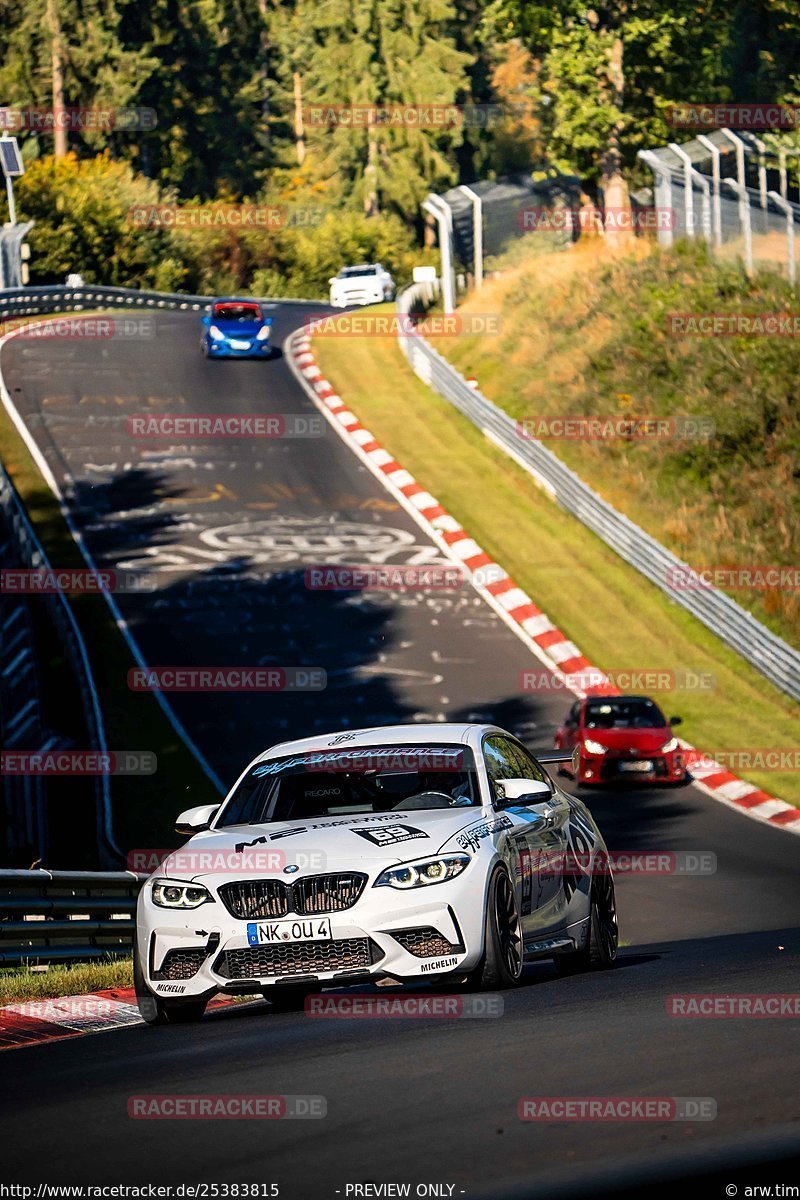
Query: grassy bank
618	619
587	337
24	984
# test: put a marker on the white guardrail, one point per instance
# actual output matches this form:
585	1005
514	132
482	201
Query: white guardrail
739	629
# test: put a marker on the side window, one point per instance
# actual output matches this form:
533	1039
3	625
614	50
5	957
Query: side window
574	714
528	766
501	762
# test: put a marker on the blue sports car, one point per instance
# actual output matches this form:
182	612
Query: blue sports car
236	329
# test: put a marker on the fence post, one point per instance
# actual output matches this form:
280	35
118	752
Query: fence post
744	218
663	176
761	146
477	232
715	153
444	218
739	146
688	195
786	208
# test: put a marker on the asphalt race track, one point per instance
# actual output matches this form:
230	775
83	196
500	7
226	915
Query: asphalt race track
229	527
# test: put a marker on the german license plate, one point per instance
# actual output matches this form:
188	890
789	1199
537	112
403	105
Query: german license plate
644	765
270	933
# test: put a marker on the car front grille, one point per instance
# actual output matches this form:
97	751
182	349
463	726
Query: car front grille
181	964
426	942
298	958
259	899
610	768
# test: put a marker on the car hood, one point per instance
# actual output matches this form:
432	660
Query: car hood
346	843
243	329
648	740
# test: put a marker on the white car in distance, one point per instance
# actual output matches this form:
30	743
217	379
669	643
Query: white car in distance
367	283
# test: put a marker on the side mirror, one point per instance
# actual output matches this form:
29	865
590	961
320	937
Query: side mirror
195	820
676	720
522	791
267	320
333	279
206	319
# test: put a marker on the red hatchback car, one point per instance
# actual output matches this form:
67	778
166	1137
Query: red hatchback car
619	738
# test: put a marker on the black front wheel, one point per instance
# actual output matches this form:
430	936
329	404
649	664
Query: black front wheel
602	942
501	965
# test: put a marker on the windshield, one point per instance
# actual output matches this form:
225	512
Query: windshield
354	272
638	713
237	312
333	783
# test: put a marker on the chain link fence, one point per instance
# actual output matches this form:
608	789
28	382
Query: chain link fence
734	190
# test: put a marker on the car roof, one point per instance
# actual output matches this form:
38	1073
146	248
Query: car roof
237	300
605	699
447	732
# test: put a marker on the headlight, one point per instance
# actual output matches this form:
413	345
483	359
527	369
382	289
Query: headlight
179	895
216	334
669	746
263	333
420	874
594	747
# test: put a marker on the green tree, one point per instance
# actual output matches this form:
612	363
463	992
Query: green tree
610	73
372	52
70	53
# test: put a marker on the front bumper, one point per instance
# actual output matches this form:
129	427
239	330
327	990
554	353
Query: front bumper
217	349
386	935
617	768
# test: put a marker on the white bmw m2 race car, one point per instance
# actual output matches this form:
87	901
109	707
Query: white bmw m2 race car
405	853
